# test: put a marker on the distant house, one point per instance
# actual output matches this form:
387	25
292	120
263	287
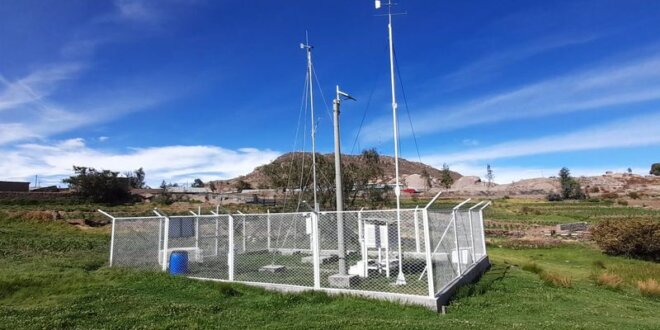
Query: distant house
14	186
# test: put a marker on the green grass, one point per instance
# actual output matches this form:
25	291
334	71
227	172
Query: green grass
53	275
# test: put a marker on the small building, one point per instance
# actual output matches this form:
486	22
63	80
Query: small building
14	186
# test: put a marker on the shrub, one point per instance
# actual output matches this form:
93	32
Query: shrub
532	267
609	280
609	195
556	280
570	188
649	288
655	169
594	190
99	186
622	202
554	197
633	237
633	195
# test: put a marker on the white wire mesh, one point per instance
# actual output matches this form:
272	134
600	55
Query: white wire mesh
137	242
302	249
287	259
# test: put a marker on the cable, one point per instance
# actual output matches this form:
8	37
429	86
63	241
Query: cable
364	116
405	101
303	101
318	83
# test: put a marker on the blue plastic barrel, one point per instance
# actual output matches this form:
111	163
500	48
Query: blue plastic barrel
178	262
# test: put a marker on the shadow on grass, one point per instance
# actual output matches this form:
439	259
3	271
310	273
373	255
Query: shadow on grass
497	273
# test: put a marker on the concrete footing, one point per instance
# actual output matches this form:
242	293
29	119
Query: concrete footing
343	281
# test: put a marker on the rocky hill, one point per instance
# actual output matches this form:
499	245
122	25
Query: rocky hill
409	171
608	183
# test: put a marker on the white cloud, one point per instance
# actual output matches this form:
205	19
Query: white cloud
614	85
54	161
488	66
36	85
470	142
136	10
633	132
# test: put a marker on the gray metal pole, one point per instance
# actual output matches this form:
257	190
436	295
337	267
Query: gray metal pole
339	190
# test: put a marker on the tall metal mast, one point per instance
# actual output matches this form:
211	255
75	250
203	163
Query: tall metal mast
400	280
308	47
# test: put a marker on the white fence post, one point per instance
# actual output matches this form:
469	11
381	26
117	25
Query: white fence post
166	237
472	230
415	218
217	233
458	250
230	252
268	228
112	241
483	229
363	245
316	255
429	257
112	235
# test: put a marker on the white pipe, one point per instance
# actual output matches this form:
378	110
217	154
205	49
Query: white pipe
112	235
433	200
316	251
268	228
165	243
429	260
416	220
230	252
112	242
458	252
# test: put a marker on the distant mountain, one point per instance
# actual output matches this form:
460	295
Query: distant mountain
409	171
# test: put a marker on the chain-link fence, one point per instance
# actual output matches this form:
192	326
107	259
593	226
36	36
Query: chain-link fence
411	251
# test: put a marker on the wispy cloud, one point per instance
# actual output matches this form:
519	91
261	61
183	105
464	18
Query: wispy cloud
489	66
54	161
27	106
607	86
633	132
37	85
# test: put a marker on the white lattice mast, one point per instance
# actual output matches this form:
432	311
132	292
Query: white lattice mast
308	48
400	280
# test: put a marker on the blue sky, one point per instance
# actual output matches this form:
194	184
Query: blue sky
211	89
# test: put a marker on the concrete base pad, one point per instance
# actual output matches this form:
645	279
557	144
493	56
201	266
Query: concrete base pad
343	281
272	269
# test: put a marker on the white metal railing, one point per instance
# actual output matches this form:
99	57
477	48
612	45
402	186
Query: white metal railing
430	247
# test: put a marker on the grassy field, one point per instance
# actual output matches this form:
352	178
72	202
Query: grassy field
54	275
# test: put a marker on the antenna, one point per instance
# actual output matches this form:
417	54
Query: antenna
400	280
308	48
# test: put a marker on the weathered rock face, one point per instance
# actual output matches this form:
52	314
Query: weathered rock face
416	181
620	183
